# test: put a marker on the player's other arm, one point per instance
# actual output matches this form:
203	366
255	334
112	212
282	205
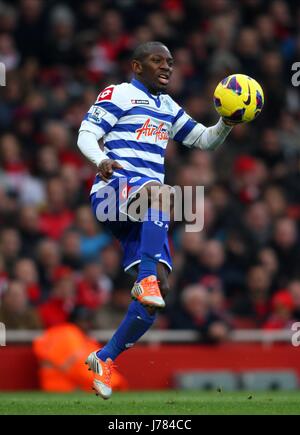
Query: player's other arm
99	121
192	134
89	146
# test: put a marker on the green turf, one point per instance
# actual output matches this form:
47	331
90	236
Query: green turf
155	403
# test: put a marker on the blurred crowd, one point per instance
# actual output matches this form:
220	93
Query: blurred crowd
243	269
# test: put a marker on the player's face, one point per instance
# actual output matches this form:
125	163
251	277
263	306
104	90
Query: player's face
155	70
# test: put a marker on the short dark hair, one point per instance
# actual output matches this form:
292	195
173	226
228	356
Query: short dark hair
143	50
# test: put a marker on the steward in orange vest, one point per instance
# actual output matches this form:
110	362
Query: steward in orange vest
61	352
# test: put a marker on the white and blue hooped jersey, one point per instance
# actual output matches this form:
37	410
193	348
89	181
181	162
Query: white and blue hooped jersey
135	127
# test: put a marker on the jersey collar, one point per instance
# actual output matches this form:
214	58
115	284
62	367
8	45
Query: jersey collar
143	88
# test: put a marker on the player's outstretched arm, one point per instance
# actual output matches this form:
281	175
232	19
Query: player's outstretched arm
208	138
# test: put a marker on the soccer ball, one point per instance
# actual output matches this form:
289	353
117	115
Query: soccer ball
239	98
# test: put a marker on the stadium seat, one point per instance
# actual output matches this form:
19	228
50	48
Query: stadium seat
206	380
269	380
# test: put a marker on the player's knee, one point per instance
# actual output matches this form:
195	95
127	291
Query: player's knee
161	196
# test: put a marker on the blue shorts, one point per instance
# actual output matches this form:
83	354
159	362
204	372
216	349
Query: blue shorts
124	228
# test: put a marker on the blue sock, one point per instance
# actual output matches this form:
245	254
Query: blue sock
154	231
136	322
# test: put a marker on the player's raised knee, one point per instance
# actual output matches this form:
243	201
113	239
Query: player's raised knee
161	196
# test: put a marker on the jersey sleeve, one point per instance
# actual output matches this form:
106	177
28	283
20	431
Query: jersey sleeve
105	112
182	126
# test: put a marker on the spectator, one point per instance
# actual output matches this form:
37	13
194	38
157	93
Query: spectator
212	259
48	256
268	259
90	10
111	314
285	245
29	228
94	288
26	273
252	307
217	296
8	53
248	178
12	161
271	153
59	47
47	162
203	164
276	201
8	17
92	239
62	299
111	261
58	136
266	31
3	277
9	205
56	218
112	41
71	251
288	134
248	50
75	193
294	289
282	311
15	311
30	26
258	222
196	314
10	246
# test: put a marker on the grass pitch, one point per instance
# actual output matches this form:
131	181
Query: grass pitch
152	403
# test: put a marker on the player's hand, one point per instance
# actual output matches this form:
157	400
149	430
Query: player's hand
230	123
106	169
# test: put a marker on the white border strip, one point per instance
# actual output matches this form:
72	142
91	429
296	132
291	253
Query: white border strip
169	336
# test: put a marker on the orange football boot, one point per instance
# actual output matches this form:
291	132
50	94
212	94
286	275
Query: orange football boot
147	292
103	372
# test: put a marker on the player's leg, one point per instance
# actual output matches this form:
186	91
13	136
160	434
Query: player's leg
163	279
102	366
153	236
136	322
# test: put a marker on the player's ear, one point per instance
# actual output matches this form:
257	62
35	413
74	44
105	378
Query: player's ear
137	67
